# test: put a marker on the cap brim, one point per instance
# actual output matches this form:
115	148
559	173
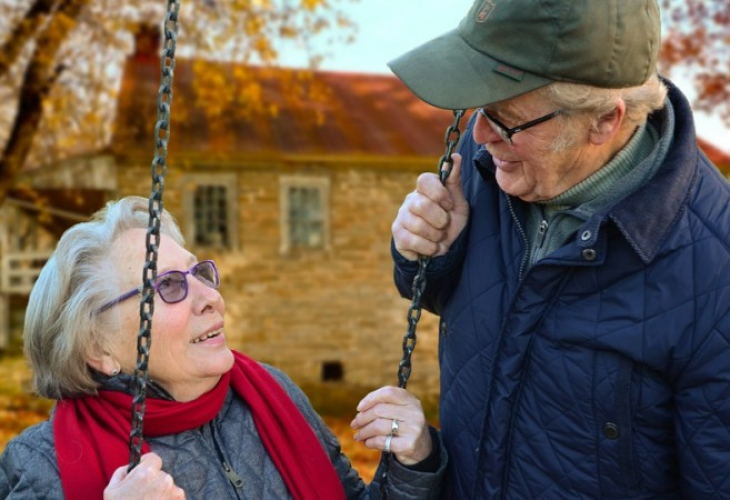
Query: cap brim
448	73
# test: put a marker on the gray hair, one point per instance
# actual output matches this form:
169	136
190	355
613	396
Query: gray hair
591	103
61	327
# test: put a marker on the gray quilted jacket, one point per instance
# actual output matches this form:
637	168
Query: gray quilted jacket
224	459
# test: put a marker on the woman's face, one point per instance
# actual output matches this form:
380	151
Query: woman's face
188	351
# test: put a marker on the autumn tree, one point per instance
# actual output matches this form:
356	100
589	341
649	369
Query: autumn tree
697	41
60	59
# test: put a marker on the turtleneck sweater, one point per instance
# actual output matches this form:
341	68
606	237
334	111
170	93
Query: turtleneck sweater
551	223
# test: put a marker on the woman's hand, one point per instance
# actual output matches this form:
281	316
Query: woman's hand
147	481
410	441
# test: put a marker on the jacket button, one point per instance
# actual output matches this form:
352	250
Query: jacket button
589	254
610	429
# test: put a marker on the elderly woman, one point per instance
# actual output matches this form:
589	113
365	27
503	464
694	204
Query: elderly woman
217	424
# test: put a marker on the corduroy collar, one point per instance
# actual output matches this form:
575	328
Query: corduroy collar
646	216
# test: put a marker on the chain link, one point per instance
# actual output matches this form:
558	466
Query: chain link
159	166
446	163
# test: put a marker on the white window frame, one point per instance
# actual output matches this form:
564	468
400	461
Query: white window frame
230	182
301	181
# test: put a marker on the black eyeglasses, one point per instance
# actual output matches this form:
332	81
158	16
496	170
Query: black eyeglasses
505	132
172	286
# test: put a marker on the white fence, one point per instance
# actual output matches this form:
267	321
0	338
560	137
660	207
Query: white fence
19	271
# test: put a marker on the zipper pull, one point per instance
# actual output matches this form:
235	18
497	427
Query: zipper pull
232	476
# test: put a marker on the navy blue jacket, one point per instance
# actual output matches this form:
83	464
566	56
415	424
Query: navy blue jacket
603	370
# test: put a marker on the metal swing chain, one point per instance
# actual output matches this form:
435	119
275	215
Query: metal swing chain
159	166
453	134
446	162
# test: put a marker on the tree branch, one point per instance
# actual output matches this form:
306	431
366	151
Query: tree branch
23	32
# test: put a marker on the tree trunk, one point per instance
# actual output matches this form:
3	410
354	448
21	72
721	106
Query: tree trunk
38	80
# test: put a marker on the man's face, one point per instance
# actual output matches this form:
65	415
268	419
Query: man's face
530	168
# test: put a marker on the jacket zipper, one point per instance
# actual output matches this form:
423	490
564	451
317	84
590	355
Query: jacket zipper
510	428
525	259
542	236
521	230
231	474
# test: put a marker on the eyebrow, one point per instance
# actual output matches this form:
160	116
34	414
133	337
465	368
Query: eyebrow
192	260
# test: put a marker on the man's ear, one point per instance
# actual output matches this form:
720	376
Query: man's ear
608	125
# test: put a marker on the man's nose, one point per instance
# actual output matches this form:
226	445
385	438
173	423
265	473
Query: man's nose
484	131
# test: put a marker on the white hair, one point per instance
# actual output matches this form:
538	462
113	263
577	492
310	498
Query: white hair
62	328
588	104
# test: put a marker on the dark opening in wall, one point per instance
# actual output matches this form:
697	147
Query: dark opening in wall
332	371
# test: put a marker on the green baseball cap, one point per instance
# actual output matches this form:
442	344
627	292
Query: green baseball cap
504	48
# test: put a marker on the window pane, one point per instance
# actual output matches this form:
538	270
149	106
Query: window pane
211	216
306	225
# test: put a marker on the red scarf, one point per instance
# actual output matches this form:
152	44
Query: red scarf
92	433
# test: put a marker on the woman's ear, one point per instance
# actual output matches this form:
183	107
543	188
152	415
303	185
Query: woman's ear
608	125
104	363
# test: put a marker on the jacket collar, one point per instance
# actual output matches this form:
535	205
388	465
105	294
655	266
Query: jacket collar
646	216
126	383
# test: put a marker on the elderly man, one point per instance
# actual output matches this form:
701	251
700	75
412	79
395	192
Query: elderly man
580	259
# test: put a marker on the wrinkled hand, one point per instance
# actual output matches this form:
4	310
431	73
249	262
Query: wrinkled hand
147	481
432	216
374	422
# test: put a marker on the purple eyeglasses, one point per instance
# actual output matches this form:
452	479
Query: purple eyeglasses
172	286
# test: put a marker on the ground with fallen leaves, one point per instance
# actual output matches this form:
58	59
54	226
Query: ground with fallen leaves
20	409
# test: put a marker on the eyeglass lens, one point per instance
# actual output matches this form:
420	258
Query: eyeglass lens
504	132
172	286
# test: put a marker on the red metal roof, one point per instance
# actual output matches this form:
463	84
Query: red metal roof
722	160
353	114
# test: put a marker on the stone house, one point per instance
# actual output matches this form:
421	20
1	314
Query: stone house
295	208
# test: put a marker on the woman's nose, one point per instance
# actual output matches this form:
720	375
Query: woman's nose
204	297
